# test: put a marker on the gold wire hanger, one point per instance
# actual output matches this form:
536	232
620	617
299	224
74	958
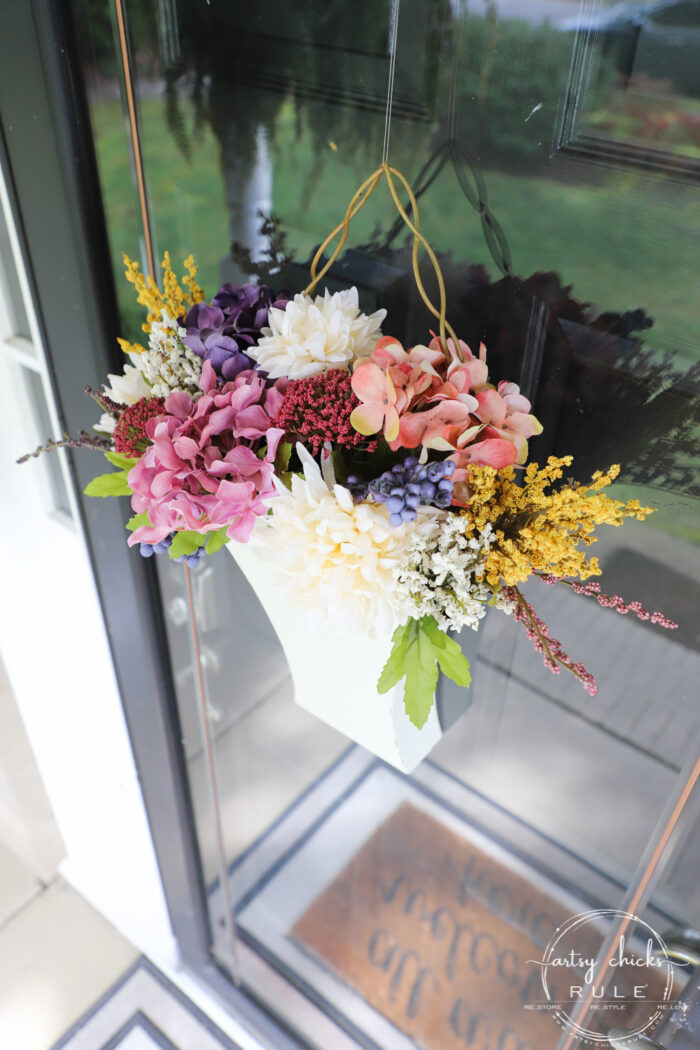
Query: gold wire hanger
362	195
358	201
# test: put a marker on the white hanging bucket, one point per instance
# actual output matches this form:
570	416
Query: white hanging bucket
337	680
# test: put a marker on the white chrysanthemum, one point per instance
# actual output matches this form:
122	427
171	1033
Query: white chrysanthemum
337	559
312	335
126	389
439	577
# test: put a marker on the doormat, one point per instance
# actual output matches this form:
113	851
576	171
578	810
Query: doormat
144	1011
435	933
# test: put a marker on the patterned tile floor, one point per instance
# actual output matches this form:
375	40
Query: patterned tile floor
144	1011
57	956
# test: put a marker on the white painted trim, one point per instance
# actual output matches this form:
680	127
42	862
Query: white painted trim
55	648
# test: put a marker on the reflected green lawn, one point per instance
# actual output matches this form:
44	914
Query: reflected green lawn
621	239
186	200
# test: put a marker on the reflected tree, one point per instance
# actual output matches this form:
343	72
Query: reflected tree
237	66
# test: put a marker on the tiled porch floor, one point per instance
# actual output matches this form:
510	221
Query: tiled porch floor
57	956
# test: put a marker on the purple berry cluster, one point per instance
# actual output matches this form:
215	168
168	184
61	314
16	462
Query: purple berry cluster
147	550
407	486
357	486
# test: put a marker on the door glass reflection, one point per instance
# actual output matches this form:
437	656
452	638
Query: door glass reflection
358	890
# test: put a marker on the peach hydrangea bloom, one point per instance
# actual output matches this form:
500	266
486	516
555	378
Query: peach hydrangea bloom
416	398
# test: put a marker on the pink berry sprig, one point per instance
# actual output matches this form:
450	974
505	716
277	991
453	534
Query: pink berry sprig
553	655
612	601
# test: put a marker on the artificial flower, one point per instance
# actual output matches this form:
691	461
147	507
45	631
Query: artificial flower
538	529
377	393
202	471
125	389
440	576
508	414
418	398
390	384
174	299
130	437
427	427
168	364
319	409
312	335
475	368
388	352
221	332
337	558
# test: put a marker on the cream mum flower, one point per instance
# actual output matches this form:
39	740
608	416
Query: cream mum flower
312	335
126	389
338	560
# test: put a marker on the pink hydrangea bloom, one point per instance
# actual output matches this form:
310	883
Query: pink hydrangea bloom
202	472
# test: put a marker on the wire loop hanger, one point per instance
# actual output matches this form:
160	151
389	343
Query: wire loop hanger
362	195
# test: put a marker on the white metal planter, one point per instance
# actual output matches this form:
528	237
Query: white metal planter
336	679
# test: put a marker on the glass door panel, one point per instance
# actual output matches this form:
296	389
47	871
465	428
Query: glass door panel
361	906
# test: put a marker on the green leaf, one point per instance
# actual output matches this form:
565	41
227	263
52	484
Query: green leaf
216	540
117	460
393	670
421	679
284	451
115	484
186	543
418	648
109	485
137	521
453	662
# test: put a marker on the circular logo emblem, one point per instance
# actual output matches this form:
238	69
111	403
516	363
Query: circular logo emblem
589	991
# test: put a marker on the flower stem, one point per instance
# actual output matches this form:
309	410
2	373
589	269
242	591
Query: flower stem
84	440
538	632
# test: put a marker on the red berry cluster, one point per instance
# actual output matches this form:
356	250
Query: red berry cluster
318	409
130	438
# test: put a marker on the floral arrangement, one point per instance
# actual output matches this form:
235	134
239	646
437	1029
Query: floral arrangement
389	485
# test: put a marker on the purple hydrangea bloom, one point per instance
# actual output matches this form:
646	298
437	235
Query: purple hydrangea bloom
222	331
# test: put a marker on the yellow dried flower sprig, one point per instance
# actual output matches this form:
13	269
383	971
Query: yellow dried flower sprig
539	530
177	295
